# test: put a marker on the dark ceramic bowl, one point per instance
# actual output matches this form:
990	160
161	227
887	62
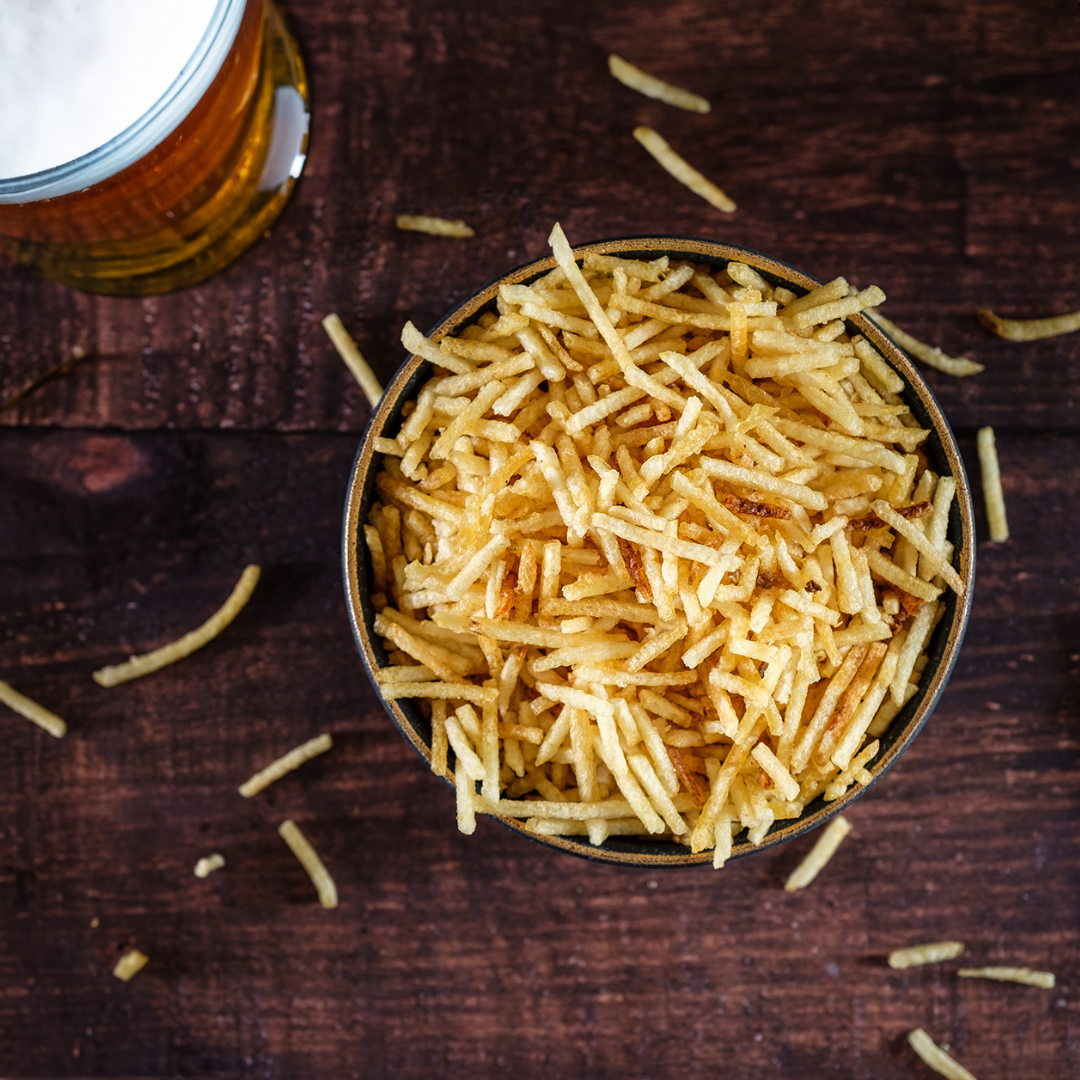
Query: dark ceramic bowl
940	447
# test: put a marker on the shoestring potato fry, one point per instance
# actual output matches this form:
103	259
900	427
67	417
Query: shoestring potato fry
651	86
656	551
1029	329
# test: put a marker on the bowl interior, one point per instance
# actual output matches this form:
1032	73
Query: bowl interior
940	447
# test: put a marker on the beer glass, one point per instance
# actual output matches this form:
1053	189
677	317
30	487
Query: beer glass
182	191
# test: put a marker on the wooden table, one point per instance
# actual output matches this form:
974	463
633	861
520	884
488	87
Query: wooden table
930	147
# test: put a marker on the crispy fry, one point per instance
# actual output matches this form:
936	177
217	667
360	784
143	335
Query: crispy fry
353	358
285	764
872	521
208	864
130	964
775	770
928	354
690	781
1029	329
1043	979
138	666
851	700
991	479
656	88
433	226
933	952
33	712
919	539
682	170
819	855
756	509
936	1058
310	861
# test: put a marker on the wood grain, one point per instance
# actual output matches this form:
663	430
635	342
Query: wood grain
930	147
471	955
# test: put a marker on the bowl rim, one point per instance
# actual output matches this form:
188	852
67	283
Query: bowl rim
917	394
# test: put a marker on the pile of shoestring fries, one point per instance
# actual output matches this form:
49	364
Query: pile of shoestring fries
657	548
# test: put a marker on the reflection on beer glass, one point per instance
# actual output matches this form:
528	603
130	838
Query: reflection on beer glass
167	197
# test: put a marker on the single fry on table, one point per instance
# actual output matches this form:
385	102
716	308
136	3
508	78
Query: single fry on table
698	619
138	666
682	170
936	1058
651	86
32	711
991	482
1024	975
933	952
130	964
434	226
823	850
208	864
1029	329
349	352
930	355
308	858
285	764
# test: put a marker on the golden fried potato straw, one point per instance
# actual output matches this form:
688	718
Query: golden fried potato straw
991	481
936	1058
285	764
930	355
310	861
933	952
208	864
34	712
818	855
651	86
130	964
1043	979
433	226
138	666
682	170
347	350
1029	329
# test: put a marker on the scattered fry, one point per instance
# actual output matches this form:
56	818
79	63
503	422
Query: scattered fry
933	952
991	482
1043	979
818	855
936	1058
130	964
34	712
310	861
656	88
348	351
433	226
138	666
208	864
1029	329
684	172
928	354
285	764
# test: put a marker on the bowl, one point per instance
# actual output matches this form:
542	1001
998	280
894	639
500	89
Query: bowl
940	447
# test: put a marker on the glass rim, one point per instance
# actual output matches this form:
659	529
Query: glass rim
150	130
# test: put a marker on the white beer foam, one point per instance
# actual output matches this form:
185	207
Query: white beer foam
76	73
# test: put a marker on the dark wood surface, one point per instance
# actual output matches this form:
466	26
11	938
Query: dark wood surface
930	147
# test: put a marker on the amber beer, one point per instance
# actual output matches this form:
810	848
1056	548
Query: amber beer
187	186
